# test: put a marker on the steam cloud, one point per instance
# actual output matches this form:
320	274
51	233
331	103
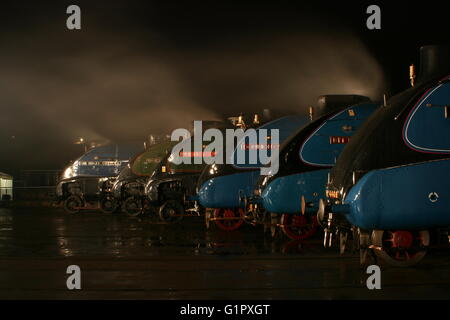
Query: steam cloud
56	87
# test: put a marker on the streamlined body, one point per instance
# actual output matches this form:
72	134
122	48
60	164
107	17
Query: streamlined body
171	187
224	187
390	186
292	194
89	179
128	188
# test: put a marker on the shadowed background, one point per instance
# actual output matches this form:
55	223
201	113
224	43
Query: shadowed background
138	68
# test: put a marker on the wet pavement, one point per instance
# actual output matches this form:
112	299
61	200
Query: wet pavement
139	258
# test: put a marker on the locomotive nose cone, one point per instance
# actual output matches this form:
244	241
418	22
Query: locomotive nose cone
303	205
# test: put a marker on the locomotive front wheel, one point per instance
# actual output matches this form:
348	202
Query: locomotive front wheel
171	211
229	219
72	204
400	248
132	207
108	205
298	227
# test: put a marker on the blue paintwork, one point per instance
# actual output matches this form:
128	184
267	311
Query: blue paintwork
286	126
105	161
426	127
283	194
226	191
400	197
317	149
414	196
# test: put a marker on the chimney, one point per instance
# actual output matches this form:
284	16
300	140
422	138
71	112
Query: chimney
434	62
332	102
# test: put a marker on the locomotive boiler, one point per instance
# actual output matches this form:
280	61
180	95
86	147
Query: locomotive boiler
389	188
292	194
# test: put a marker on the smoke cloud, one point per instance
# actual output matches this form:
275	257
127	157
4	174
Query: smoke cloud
57	86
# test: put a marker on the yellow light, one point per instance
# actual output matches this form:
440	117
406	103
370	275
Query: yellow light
68	173
332	194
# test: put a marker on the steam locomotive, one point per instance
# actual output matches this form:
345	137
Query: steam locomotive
292	194
224	187
389	188
128	188
87	182
171	187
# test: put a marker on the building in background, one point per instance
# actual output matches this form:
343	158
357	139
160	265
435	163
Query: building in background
6	186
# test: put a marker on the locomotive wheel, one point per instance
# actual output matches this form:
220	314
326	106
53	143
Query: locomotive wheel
400	248
72	204
298	227
171	211
132	207
235	218
108	205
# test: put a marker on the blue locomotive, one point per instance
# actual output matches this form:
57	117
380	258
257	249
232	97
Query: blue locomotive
229	188
389	187
292	194
87	182
223	187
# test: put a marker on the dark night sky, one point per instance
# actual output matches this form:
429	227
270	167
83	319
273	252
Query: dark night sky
140	67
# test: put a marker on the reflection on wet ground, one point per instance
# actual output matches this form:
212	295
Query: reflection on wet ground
126	258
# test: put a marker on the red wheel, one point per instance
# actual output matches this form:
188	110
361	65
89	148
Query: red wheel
232	218
401	248
298	227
